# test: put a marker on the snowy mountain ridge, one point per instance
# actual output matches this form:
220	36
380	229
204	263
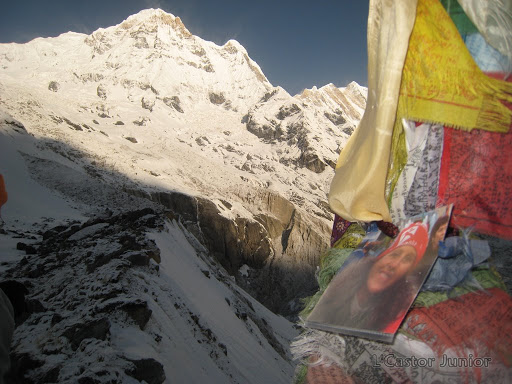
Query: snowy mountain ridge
169	111
178	81
151	51
146	115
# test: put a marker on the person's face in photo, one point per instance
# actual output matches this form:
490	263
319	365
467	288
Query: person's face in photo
440	233
390	268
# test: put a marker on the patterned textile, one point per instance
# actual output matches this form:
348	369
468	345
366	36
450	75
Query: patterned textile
339	228
356	360
351	237
422	195
441	83
476	176
389	229
320	374
416	136
363	361
478	322
476	168
407	360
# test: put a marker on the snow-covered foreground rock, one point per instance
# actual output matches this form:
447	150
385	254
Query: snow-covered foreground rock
135	297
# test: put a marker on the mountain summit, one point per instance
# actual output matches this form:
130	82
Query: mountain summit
147	107
155	47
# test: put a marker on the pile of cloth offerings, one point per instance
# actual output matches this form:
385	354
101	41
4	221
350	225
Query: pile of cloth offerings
436	131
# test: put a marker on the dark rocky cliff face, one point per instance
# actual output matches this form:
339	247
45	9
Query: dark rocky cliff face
279	245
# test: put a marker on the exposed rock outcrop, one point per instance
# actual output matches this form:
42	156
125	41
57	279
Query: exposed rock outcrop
280	243
98	283
148	103
53	86
101	91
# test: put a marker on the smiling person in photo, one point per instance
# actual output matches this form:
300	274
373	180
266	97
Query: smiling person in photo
375	292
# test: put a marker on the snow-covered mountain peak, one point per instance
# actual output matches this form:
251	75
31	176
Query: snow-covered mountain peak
357	91
145	114
150	19
145	109
350	100
234	46
148	71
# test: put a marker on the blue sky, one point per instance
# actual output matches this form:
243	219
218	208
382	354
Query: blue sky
298	44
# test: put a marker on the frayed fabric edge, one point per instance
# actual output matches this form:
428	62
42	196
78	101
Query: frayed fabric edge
315	347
